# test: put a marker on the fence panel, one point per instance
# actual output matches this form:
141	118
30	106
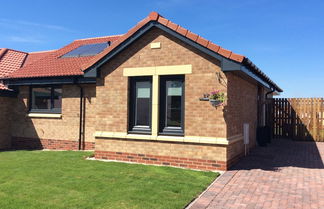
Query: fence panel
297	118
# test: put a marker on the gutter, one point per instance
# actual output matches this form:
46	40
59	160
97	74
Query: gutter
255	70
269	92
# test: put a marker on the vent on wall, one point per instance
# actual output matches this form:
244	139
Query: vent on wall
87	50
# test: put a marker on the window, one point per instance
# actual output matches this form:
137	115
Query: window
46	99
140	105
171	105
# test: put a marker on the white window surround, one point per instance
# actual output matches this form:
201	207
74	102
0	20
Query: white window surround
44	115
155	72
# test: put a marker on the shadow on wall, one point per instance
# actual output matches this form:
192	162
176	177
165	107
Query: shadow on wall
48	133
240	108
5	118
23	131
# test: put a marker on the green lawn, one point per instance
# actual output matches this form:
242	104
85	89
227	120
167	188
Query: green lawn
63	179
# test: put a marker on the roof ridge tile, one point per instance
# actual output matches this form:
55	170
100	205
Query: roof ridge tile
99	37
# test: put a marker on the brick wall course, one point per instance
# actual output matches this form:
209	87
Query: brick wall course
196	156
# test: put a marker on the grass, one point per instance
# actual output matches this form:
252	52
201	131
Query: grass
63	179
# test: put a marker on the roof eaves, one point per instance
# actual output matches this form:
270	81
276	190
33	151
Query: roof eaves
262	75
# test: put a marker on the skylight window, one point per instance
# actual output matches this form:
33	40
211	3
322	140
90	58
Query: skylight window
87	50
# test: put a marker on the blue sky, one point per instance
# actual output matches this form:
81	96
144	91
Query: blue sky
285	39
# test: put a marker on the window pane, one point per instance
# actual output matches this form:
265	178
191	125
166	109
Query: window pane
142	106
173	104
57	103
41	98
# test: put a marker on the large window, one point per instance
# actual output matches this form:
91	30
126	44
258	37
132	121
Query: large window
171	105
46	99
140	105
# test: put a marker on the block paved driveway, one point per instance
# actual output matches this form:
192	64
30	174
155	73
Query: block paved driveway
286	174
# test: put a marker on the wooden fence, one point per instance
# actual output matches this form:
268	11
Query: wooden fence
297	118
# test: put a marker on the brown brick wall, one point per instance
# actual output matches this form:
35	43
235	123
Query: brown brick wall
241	108
5	119
33	143
65	128
201	119
196	156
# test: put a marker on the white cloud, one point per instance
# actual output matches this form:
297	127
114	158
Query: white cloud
18	23
24	39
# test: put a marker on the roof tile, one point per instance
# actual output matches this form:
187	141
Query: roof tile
182	30
202	41
236	57
224	52
213	47
154	16
172	25
192	36
163	21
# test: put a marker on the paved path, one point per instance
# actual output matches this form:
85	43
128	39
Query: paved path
286	174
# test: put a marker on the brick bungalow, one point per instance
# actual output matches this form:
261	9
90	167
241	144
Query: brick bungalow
139	97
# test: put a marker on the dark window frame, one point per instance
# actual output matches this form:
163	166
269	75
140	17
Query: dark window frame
163	128
132	128
52	110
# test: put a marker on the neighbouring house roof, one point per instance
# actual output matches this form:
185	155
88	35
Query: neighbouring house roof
54	65
10	61
34	56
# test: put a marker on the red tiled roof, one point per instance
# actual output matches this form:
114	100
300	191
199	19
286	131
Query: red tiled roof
52	65
154	16
34	56
10	61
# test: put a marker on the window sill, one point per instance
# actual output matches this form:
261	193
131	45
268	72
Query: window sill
183	139
44	115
